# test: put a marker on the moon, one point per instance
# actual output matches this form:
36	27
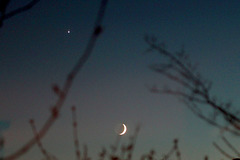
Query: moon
124	130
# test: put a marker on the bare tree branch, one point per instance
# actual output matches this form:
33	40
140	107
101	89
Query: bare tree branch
39	143
67	85
196	90
230	146
174	149
27	7
75	133
222	151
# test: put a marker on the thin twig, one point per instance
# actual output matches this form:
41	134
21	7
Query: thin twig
230	146
222	151
39	143
75	133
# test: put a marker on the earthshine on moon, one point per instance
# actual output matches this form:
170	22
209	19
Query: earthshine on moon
124	130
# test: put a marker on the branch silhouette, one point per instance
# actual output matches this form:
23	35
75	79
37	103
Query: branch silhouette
229	145
222	151
39	143
75	133
174	149
62	93
3	8
196	91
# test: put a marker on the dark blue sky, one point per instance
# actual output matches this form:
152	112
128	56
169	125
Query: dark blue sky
36	51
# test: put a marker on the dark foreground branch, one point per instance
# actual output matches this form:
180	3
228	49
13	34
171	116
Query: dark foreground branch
5	16
62	93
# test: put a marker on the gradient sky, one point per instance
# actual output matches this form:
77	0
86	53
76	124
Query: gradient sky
36	51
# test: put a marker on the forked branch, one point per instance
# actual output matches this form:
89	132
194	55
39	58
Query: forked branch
195	91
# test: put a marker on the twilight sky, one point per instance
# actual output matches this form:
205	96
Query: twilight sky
36	51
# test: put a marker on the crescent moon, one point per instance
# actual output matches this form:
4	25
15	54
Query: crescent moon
124	130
